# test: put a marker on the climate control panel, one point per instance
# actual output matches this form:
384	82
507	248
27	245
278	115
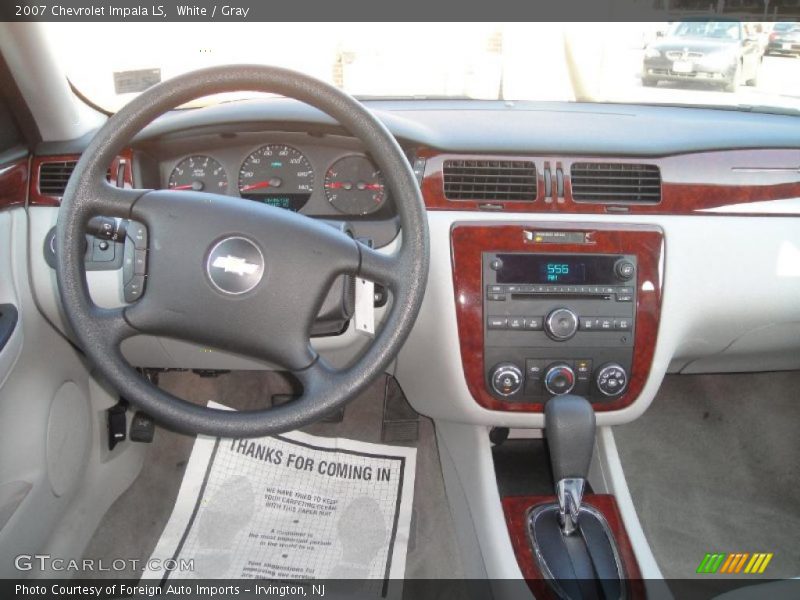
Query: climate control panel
557	324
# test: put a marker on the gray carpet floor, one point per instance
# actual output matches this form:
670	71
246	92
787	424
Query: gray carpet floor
134	523
714	466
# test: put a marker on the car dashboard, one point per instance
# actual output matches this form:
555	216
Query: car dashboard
665	242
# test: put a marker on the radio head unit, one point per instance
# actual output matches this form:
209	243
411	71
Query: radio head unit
558	323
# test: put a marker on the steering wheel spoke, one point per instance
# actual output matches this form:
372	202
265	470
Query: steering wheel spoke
112	325
379	267
110	201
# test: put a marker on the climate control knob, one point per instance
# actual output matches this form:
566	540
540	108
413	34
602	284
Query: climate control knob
506	379
611	379
561	324
559	379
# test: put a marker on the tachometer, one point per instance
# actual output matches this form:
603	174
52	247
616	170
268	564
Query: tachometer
354	186
278	175
199	173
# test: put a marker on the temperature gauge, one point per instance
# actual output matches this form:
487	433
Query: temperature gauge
354	186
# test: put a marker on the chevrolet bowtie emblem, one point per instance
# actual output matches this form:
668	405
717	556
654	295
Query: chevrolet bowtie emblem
234	264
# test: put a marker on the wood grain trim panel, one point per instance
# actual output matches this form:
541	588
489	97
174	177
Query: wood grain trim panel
516	508
691	183
35	196
14	183
469	240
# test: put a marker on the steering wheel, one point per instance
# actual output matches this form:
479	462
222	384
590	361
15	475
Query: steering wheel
236	275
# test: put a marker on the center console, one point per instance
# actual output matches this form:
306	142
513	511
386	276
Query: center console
550	309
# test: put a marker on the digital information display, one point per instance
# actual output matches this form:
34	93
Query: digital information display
569	269
293	202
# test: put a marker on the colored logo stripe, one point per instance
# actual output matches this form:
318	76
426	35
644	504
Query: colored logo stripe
734	563
710	563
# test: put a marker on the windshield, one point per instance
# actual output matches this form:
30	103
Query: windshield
717	63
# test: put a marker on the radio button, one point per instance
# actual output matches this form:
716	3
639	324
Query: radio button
496	297
497	323
495	289
624	298
622	324
516	322
624	290
533	323
588	323
604	323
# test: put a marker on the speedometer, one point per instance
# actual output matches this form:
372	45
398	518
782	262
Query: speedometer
278	175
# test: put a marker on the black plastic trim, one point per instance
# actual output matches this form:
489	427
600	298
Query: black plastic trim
8	322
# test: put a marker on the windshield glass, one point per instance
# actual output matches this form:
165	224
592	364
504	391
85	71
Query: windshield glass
752	66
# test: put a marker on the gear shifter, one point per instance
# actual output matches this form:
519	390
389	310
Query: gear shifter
570	424
573	544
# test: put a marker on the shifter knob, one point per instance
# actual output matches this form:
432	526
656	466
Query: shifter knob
570	426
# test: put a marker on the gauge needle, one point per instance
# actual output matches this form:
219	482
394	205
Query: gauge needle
255	186
274	182
188	186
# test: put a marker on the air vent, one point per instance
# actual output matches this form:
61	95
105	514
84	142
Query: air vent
615	182
53	177
499	180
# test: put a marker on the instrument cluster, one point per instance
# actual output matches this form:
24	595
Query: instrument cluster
344	182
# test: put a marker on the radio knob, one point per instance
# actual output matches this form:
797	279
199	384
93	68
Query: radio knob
559	379
624	269
561	324
506	379
611	379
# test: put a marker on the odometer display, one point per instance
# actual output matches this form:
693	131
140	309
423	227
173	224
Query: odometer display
199	173
277	175
354	186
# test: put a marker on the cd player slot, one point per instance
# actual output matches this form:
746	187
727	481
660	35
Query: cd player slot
560	296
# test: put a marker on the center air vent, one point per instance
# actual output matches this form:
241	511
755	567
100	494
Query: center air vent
615	182
499	180
53	177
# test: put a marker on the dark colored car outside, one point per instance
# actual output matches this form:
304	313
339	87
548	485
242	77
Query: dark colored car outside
784	40
716	52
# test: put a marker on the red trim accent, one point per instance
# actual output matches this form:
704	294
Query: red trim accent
470	240
680	195
516	510
13	183
36	198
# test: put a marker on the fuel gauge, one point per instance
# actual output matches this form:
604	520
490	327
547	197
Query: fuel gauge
354	186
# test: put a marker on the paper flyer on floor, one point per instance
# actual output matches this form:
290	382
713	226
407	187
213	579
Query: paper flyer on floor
291	506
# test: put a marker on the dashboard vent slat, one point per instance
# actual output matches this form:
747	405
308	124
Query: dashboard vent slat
615	182
53	177
507	180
